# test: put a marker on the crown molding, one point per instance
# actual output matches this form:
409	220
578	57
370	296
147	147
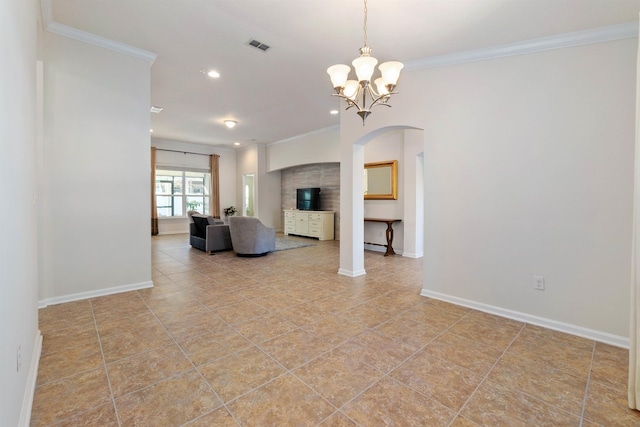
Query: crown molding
90	38
313	132
608	33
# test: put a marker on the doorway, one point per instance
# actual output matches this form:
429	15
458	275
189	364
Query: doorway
248	194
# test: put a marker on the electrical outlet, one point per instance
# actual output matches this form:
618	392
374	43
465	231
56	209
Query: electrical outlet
18	359
538	283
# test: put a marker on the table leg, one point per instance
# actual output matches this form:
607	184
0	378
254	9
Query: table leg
389	233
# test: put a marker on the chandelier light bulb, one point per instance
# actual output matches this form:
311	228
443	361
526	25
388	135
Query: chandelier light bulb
391	71
381	86
351	89
364	66
339	74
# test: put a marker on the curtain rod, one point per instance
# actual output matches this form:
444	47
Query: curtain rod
183	152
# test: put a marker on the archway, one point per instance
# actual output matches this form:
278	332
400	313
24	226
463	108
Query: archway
352	205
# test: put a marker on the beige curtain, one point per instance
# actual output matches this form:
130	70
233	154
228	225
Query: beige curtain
154	208
214	165
634	330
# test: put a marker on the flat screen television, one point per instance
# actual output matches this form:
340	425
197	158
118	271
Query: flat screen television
308	199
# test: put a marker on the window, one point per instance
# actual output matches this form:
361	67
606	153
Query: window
179	191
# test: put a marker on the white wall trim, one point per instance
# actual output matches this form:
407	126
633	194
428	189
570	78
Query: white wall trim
27	401
351	273
47	13
313	132
92	294
608	33
211	149
375	248
383	249
592	334
86	37
166	233
412	255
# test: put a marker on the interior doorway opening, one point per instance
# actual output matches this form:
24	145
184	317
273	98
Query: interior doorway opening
248	194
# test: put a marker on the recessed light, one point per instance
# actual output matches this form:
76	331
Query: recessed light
236	143
211	73
156	110
230	123
334	112
151	130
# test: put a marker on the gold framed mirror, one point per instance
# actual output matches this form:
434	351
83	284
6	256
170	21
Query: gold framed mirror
381	180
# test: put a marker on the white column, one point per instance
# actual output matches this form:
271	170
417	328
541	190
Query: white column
351	209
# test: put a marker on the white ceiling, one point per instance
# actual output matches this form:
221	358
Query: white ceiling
285	92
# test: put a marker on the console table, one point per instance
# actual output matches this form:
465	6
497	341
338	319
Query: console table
389	233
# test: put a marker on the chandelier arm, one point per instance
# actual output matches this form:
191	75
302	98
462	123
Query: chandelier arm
381	100
350	102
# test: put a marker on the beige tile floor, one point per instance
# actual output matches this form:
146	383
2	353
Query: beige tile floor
284	340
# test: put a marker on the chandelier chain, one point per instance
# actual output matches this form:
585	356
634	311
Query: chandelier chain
365	23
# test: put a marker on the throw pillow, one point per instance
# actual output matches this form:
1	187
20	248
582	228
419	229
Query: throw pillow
201	226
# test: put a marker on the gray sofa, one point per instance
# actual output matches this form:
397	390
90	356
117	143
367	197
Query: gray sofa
250	237
209	234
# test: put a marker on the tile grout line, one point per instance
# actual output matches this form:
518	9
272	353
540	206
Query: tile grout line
287	370
386	374
195	287
224	404
407	359
486	376
104	361
298	327
586	389
528	394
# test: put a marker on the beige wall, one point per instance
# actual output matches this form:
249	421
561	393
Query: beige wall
96	193
253	160
389	146
528	163
321	146
18	210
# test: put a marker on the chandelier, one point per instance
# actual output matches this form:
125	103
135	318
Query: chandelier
360	93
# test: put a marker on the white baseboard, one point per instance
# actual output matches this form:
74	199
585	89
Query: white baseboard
592	334
374	248
382	249
412	255
94	294
27	400
351	273
166	233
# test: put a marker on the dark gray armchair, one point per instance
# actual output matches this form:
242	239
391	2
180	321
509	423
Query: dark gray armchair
209	235
250	237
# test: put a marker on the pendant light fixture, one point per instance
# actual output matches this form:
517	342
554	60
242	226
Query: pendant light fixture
357	93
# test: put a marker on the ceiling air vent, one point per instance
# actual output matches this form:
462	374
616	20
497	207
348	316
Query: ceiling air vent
258	45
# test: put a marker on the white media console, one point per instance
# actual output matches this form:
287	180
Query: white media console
318	224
